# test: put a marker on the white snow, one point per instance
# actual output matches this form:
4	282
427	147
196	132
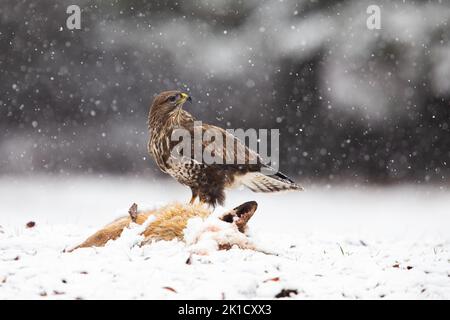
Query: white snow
328	242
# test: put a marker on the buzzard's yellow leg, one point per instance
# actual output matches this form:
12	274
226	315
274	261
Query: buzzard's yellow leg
193	199
194	196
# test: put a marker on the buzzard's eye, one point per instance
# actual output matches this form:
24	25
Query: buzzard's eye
172	98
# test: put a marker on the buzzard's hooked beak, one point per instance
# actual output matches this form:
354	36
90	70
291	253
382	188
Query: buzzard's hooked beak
184	97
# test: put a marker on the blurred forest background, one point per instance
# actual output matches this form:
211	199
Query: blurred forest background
351	103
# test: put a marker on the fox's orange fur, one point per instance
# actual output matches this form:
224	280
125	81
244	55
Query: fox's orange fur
169	224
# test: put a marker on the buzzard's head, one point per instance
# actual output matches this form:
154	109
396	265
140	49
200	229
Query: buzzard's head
167	101
165	105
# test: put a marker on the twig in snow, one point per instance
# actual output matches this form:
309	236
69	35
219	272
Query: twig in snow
342	250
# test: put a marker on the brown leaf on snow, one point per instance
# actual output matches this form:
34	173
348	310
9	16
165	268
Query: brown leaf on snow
286	293
170	289
30	224
272	279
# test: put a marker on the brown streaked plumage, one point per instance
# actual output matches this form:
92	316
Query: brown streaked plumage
207	181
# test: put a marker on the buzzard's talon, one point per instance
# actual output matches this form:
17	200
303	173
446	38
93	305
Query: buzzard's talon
201	202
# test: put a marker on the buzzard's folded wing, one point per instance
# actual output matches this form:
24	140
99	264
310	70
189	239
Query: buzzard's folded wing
229	148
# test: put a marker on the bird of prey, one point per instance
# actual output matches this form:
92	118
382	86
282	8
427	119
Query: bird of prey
207	181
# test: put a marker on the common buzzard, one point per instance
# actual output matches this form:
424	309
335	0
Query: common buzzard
207	181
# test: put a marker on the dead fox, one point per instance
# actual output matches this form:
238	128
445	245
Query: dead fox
169	222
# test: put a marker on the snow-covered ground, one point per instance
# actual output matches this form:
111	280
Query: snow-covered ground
330	242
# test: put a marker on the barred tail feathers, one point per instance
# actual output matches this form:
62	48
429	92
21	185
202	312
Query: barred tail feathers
259	182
